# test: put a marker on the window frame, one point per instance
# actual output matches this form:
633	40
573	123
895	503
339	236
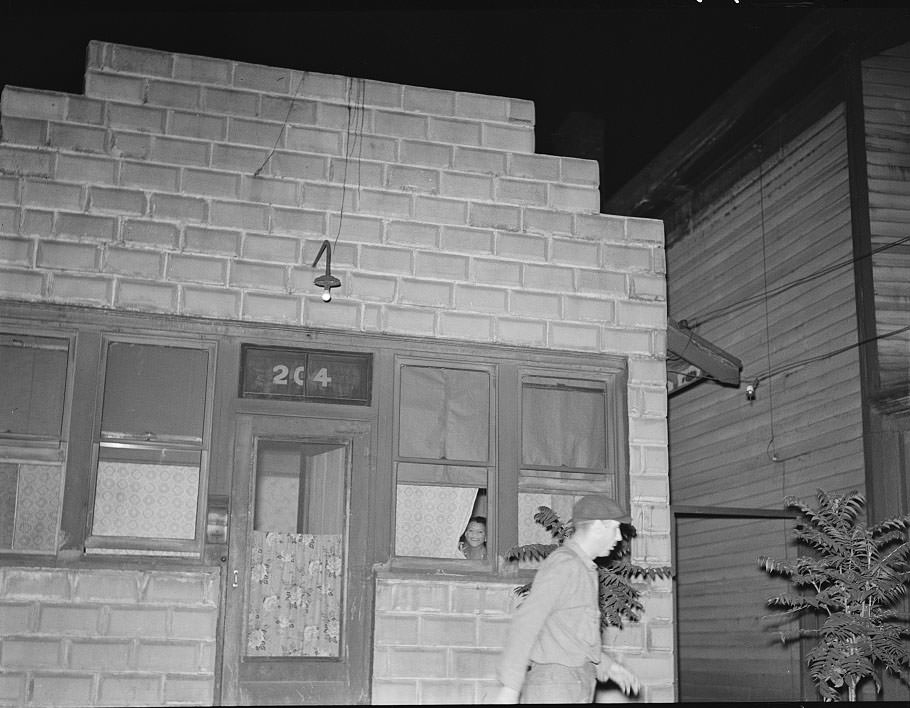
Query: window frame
144	546
575	480
20	450
400	361
509	367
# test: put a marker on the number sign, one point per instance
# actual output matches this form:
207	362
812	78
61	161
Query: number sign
306	375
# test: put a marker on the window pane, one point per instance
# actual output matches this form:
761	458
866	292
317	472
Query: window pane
563	426
32	385
154	391
297	550
430	520
445	414
145	499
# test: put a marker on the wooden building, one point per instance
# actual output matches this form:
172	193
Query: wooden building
219	486
788	246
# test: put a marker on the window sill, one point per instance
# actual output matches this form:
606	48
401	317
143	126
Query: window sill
400	568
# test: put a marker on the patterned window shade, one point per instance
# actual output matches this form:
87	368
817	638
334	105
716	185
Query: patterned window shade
30	506
145	500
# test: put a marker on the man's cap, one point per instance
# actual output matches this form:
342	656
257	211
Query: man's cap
595	507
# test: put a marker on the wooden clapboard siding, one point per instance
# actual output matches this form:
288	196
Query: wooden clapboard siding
731	651
719	441
886	104
720	451
724	241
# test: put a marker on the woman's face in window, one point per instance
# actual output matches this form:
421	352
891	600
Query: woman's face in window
476	534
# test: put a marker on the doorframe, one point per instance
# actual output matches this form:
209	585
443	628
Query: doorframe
720	512
358	581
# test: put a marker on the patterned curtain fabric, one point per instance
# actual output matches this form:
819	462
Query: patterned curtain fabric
295	594
429	520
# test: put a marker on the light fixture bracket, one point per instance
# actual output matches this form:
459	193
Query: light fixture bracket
327	281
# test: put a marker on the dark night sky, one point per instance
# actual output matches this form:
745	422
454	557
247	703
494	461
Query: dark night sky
611	77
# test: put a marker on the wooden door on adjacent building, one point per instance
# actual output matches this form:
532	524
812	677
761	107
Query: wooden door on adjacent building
296	627
728	643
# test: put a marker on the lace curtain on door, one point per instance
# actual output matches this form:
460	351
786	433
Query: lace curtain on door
295	594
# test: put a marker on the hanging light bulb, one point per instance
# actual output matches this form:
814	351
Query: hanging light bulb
750	390
327	281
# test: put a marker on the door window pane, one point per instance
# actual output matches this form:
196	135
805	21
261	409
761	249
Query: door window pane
444	414
32	385
297	550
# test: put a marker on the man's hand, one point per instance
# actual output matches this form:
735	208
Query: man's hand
609	670
505	695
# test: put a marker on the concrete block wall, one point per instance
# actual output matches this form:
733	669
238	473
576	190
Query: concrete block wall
204	187
107	637
439	640
175	185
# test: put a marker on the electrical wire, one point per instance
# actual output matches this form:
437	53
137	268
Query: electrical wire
820	357
784	368
764	257
724	310
350	141
287	119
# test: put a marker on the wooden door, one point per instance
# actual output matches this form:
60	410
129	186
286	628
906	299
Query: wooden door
728	646
297	615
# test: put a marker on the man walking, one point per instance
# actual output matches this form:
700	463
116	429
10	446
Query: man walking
556	630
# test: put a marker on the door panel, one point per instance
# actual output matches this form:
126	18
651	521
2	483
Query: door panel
728	644
295	629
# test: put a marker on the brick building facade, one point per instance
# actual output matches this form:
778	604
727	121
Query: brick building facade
176	208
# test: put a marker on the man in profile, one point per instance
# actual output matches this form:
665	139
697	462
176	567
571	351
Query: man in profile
556	630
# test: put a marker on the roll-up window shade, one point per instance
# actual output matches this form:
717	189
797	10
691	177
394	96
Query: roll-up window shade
32	385
445	414
154	391
563	426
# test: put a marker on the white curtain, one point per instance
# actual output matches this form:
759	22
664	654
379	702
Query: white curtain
429	520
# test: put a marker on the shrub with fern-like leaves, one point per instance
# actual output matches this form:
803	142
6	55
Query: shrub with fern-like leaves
854	578
619	598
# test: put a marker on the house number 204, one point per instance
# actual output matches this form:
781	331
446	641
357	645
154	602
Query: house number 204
282	373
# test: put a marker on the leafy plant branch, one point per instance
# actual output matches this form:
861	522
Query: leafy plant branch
619	598
857	574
